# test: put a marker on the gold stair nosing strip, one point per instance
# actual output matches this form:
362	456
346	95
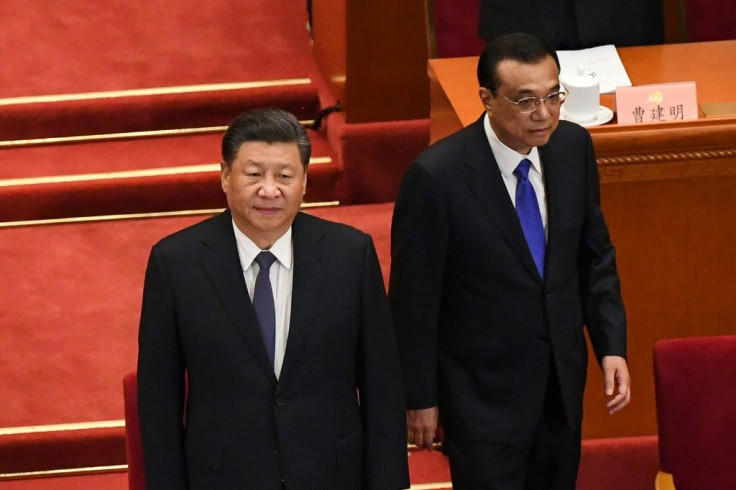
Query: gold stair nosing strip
138	92
444	485
89	138
122	174
111	136
413	447
128	174
120	217
90	470
38	429
105	424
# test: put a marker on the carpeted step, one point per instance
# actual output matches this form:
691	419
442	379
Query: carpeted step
92	46
89	67
56	448
161	108
94	479
123	174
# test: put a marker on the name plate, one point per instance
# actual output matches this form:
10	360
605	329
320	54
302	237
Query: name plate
664	102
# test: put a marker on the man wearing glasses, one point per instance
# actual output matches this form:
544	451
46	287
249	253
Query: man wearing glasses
500	257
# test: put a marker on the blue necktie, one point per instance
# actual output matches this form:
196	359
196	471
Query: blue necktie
263	303
527	208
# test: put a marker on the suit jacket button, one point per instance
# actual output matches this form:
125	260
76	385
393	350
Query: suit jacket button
276	454
280	401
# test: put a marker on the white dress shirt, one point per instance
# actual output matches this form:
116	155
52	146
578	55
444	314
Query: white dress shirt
508	160
281	275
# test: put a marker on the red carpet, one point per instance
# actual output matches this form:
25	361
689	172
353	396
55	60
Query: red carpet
158	45
86	46
89	46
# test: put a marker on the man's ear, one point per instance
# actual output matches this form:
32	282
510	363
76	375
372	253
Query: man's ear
224	174
486	97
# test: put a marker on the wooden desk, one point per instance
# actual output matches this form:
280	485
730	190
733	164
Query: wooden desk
669	196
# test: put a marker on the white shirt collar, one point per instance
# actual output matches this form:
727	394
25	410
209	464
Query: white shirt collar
247	249
507	158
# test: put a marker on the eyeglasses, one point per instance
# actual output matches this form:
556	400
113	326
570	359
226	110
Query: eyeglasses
529	104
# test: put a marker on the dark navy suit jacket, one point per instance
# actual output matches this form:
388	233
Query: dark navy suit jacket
476	323
334	419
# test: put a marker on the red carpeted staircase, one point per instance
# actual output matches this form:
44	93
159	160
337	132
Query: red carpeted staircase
130	174
125	121
110	109
115	108
124	115
123	152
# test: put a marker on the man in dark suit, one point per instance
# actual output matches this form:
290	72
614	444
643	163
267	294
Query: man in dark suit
298	389
575	24
500	256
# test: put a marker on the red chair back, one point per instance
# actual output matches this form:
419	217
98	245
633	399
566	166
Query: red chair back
133	444
695	386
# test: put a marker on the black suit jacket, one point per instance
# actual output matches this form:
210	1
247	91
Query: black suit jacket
476	323
245	429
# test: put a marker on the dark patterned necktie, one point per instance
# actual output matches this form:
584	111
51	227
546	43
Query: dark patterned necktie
263	303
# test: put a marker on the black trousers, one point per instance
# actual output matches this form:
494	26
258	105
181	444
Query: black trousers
548	461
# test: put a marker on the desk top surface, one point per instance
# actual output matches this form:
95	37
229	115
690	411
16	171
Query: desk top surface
712	65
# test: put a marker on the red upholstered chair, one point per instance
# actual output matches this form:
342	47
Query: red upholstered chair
133	444
695	385
618	463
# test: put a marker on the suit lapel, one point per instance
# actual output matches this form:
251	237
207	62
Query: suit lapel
554	183
222	265
309	276
486	183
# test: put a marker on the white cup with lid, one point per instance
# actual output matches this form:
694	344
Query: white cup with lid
583	99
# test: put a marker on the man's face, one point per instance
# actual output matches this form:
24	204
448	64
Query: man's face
517	130
264	187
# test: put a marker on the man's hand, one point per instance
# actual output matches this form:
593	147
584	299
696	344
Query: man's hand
617	382
421	427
